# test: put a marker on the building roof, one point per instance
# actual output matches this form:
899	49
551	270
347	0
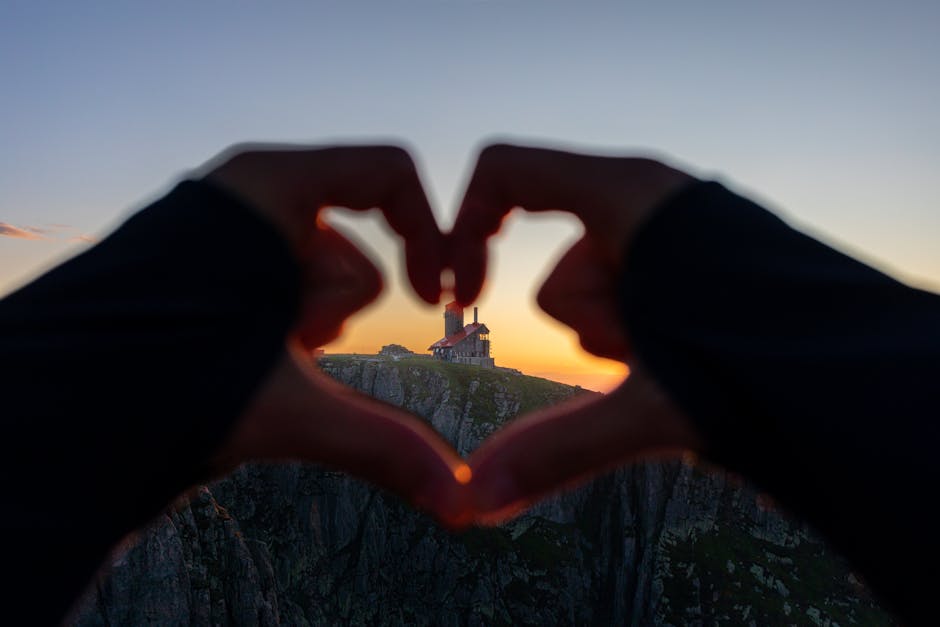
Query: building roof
452	340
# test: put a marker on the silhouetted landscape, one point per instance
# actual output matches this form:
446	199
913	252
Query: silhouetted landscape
663	543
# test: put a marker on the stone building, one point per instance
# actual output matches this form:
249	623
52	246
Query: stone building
461	344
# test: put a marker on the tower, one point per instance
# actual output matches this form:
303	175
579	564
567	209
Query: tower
453	319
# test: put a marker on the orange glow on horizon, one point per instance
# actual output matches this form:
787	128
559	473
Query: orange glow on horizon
522	336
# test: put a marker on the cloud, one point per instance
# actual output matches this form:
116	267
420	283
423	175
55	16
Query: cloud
46	231
9	230
40	230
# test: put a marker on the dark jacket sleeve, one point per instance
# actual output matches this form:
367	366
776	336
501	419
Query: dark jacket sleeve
122	371
808	372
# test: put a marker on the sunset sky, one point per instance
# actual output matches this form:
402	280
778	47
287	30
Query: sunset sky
825	114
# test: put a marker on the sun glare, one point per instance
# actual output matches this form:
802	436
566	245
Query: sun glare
463	474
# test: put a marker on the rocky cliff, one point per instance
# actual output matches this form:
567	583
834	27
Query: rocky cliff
662	543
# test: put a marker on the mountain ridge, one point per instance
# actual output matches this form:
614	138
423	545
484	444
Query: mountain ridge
655	543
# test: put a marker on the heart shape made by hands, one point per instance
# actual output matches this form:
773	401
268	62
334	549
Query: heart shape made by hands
299	413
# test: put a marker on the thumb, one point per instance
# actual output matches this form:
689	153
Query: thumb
300	414
339	280
572	442
581	292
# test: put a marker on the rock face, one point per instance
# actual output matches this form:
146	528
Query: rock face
662	543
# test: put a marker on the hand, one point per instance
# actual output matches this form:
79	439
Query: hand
298	413
612	197
291	185
568	443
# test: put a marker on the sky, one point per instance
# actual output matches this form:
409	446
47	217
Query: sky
826	114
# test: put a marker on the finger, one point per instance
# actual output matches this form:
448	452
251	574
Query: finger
581	292
340	280
610	195
385	177
504	177
300	414
569	443
292	184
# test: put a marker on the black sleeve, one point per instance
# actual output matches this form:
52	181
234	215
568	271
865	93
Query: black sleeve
808	372
122	371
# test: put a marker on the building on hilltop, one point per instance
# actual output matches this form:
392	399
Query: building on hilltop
461	344
395	351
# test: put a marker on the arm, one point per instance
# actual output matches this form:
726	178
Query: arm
749	342
805	370
169	352
123	369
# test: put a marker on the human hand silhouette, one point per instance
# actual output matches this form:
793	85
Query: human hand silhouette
299	413
612	196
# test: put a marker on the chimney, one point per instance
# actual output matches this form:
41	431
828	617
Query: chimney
474	315
453	319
